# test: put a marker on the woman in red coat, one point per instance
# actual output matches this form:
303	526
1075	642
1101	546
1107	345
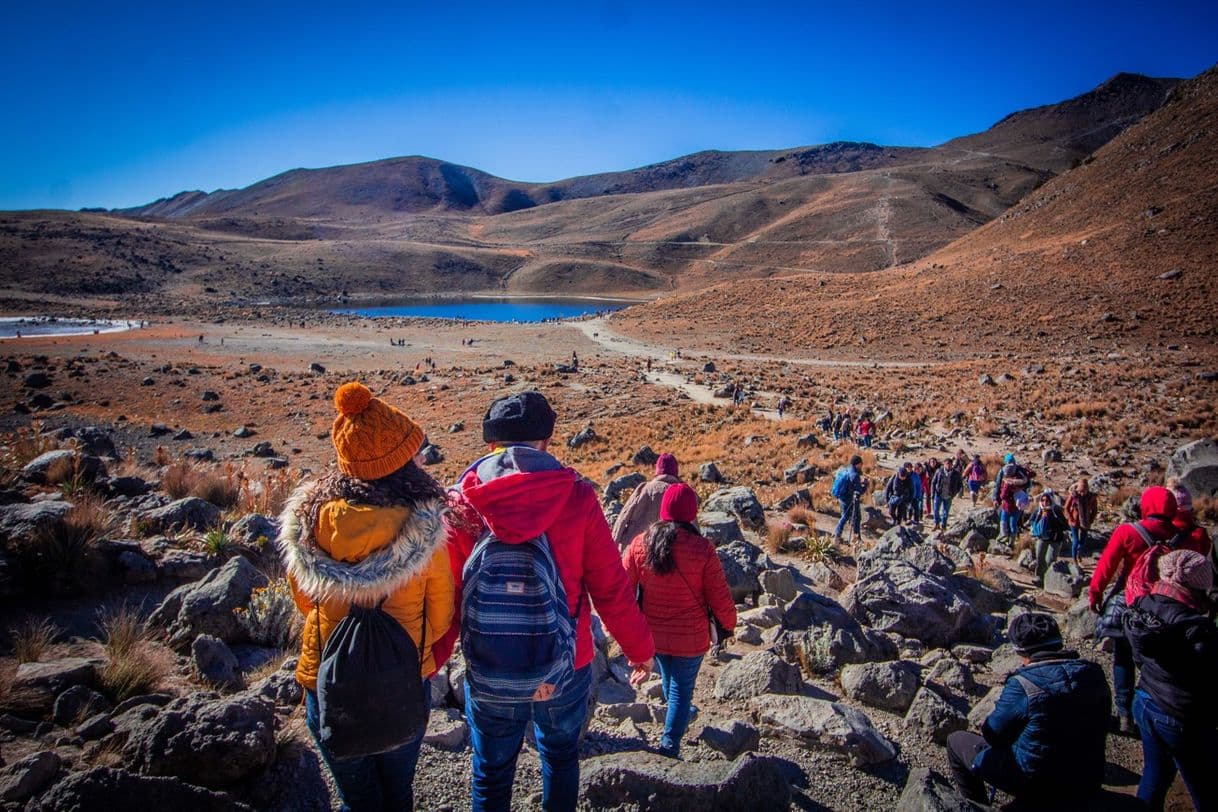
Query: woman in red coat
681	581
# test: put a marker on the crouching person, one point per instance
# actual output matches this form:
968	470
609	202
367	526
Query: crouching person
366	556
1044	742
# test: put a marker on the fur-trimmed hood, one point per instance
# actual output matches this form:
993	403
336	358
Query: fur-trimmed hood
383	571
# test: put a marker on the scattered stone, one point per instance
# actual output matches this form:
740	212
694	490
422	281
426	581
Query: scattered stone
645	456
206	607
254	529
757	673
831	724
199	454
742	565
800	472
931	715
731	739
646	781
446	730
626	482
37	685
37	380
457	427
1174	273
720	528
95	790
709	472
779	583
262	449
95	727
215	662
65	462
949	673
242	432
1080	620
432	455
586	435
985	380
25	778
741	502
925	791
890	686
189	513
1064	579
317	369
1196	466
982	710
972	654
26	521
158	430
76	703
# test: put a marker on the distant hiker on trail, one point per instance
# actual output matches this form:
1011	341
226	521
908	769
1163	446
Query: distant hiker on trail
1011	481
642	509
898	495
864	430
574	360
976	476
1049	529
1081	507
542	559
849	485
843	427
1175	646
827	422
921	487
945	486
679	581
366	559
1044	741
1153	535
783	403
929	470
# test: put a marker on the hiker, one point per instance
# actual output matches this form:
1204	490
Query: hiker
1044	741
574	361
783	403
921	487
846	425
537	516
1186	519
827	422
1118	566
849	485
865	429
1049	529
642	509
1175	646
1007	486
369	537
1081	507
898	495
679	580
929	469
946	485
976	476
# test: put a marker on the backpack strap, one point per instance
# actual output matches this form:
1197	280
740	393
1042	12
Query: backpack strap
1030	688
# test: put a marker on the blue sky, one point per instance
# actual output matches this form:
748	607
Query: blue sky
116	104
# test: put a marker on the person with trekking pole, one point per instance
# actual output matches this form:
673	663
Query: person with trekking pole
848	485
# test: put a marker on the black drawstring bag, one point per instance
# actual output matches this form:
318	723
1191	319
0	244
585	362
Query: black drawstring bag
370	690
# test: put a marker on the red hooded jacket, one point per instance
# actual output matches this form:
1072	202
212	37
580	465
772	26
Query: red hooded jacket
518	493
1126	545
676	602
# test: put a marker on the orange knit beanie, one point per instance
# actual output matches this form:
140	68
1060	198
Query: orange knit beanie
372	438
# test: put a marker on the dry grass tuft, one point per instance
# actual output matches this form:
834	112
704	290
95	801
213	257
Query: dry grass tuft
32	638
135	664
63	557
221	487
24	445
267	492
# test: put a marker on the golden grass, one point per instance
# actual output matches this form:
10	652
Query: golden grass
135	664
221	487
32	638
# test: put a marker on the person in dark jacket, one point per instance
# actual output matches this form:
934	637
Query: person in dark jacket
1175	645
1044	742
679	579
849	485
1081	508
899	494
945	485
1049	530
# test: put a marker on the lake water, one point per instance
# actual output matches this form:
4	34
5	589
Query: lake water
501	310
29	326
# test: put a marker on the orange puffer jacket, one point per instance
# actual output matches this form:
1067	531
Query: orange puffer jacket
359	554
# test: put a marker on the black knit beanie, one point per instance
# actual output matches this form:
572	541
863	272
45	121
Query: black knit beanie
1034	632
524	417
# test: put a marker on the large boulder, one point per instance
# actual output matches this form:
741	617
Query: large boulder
904	543
903	599
731	739
1196	466
37	685
742	564
206	740
206	607
757	673
626	482
62	464
215	662
982	521
1080	620
741	502
22	521
890	686
643	781
104	789
191	513
830	724
778	582
933	716
1064	579
926	791
25	778
982	710
819	631
720	528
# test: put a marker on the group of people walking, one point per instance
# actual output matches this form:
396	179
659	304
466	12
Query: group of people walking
393	571
843	426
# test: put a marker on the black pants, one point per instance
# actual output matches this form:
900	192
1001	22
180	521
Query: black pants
962	750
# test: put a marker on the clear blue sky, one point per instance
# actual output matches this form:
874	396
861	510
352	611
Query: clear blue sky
116	104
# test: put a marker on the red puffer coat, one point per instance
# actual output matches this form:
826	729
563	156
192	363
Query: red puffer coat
518	493
676	603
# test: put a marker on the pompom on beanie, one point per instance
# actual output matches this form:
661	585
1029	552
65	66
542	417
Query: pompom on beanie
371	438
679	504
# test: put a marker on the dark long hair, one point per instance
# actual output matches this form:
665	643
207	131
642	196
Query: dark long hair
660	540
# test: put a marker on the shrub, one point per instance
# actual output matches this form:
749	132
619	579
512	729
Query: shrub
32	638
24	445
134	663
63	557
220	487
778	533
272	618
267	492
216	542
819	548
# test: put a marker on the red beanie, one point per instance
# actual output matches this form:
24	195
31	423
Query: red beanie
667	465
680	504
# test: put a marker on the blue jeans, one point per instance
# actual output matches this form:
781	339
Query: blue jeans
497	732
1009	522
1169	744
1078	541
942	508
848	507
384	781
1123	674
677	675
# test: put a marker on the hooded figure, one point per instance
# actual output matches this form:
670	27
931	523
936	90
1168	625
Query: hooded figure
643	507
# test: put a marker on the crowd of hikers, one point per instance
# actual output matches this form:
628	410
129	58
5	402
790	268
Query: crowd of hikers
392	571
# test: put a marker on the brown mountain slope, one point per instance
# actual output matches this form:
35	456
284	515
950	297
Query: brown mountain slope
1075	267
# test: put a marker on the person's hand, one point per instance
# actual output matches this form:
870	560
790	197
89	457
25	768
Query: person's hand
639	672
1095	603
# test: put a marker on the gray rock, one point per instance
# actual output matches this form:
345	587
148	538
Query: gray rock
903	599
25	778
190	513
709	472
638	712
95	727
741	502
763	617
95	790
206	607
820	631
890	686
1064	579
446	730
186	565
36	686
205	740
621	484
982	521
830	724
1005	661
281	687
1080	620
778	582
86	466
933	716
22	521
215	662
645	456
757	673
949	673
1196	466
250	528
720	528
136	568
644	781
731	739
586	435
742	564
800	472
77	703
972	654
432	455
925	791
982	710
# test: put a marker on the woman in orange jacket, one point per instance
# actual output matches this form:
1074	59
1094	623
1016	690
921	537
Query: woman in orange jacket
371	533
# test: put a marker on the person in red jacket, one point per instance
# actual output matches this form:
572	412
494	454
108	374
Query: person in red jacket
518	491
680	578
